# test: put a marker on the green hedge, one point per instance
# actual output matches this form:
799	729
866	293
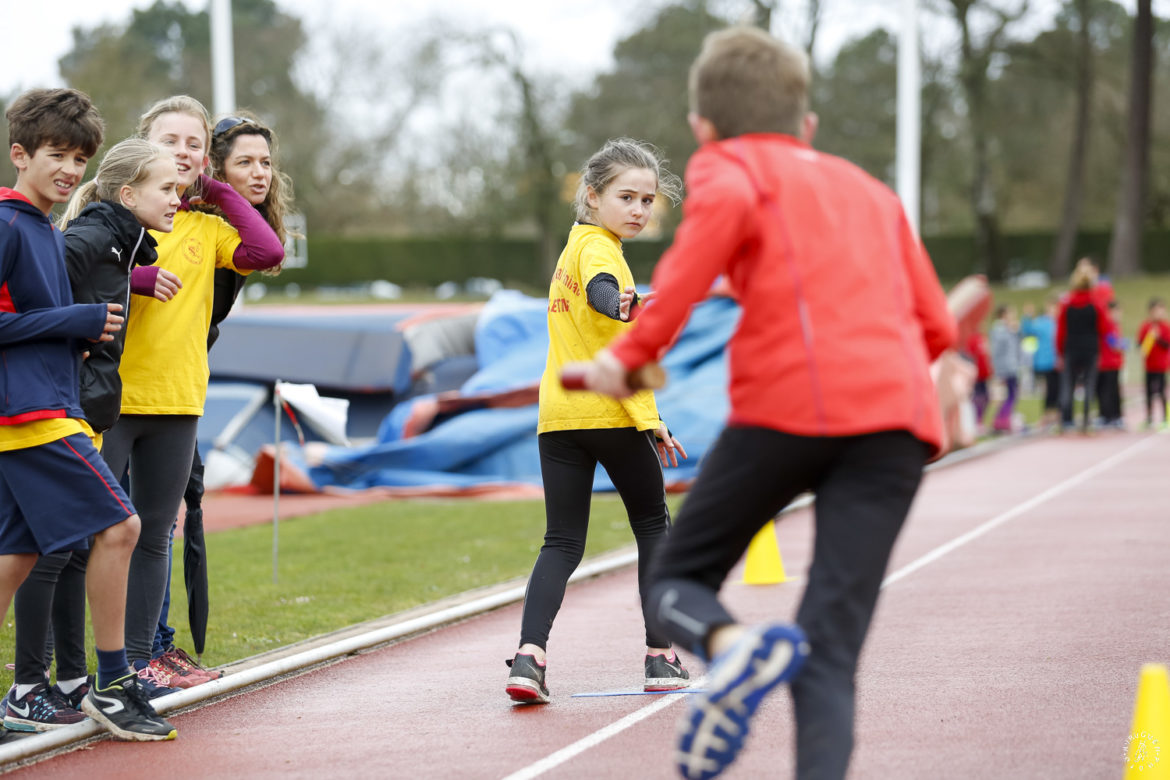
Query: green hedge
431	261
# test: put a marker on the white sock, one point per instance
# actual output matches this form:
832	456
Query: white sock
23	689
69	686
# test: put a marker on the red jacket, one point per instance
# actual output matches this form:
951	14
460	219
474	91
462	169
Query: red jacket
842	309
1112	349
1089	319
1158	358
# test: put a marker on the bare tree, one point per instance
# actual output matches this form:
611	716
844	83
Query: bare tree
1125	248
976	58
1074	193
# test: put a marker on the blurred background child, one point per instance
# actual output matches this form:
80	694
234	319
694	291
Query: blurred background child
1005	362
1154	339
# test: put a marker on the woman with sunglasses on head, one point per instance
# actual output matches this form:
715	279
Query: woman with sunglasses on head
242	155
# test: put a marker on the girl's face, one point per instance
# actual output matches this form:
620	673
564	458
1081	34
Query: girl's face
154	200
185	137
248	167
625	206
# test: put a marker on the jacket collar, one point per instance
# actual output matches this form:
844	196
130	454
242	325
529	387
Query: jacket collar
126	229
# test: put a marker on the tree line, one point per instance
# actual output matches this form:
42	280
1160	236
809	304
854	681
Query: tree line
447	129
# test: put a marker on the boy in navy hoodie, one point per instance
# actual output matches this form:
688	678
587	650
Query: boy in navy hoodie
56	492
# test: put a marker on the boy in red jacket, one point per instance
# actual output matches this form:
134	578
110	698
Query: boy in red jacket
821	399
1154	338
1109	367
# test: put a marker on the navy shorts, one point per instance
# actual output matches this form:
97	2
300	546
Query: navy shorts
55	496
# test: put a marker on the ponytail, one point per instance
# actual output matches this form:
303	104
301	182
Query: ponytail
126	163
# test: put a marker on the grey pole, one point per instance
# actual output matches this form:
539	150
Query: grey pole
909	143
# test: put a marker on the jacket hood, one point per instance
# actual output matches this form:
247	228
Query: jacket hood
123	225
10	197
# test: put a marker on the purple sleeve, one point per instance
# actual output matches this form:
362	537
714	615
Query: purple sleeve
142	280
259	247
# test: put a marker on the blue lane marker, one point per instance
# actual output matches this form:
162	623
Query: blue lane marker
636	693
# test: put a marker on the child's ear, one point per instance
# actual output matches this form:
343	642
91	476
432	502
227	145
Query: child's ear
126	196
591	198
808	127
702	128
19	157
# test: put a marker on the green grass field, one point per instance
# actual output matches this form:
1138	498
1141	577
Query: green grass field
347	566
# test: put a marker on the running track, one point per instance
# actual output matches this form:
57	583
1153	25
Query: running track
1025	593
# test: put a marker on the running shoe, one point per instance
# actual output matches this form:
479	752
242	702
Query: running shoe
41	709
124	709
178	658
74	697
526	681
665	674
713	730
155	680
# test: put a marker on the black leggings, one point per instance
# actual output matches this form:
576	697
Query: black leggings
158	450
1155	388
568	461
864	486
52	596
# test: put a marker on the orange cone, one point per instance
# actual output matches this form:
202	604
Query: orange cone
1147	749
763	565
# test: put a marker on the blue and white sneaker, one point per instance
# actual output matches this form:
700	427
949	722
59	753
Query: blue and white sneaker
713	730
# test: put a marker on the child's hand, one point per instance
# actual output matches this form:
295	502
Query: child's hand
166	285
113	322
669	448
625	303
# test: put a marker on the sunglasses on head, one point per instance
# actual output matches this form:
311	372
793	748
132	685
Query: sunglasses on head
227	123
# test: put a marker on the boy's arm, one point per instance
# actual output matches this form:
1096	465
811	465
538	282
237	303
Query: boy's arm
716	221
939	329
76	321
259	247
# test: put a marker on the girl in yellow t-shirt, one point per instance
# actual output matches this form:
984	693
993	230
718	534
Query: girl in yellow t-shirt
592	300
164	365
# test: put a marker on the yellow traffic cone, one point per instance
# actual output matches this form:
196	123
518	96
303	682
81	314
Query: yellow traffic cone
763	565
1149	738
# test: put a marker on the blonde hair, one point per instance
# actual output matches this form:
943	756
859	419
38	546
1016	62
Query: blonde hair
126	163
746	81
1084	275
177	104
617	156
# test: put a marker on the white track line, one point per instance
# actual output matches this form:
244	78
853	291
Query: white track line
568	752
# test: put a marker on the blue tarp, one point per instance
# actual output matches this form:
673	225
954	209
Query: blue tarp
499	445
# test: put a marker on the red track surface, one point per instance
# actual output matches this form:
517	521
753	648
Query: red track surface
1015	654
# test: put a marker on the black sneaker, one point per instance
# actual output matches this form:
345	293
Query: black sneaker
41	709
526	682
125	711
74	697
663	674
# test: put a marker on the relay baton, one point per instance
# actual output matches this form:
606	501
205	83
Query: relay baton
651	376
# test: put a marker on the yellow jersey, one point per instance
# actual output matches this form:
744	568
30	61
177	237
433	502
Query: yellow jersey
576	332
164	364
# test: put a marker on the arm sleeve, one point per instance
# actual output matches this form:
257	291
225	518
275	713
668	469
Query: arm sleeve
142	279
76	321
604	295
930	302
259	248
717	219
1060	330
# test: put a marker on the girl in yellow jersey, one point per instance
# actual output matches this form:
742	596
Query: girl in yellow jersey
164	365
591	301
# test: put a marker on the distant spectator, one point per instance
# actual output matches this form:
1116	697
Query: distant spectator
1081	326
1154	338
976	350
1109	367
1005	362
1042	328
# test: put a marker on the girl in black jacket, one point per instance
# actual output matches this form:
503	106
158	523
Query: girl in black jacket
105	241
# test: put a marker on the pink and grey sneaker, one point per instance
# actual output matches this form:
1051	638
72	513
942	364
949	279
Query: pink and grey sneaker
665	674
178	659
526	680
